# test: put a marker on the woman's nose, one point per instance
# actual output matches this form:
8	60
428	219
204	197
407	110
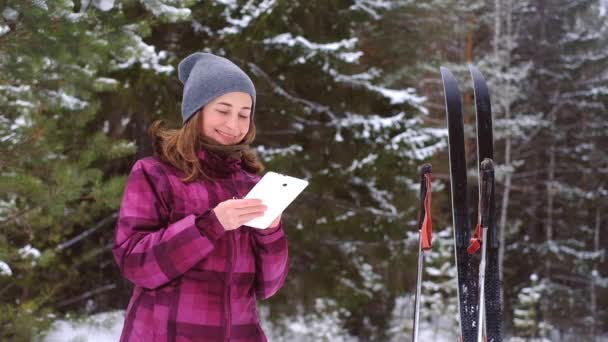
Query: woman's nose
232	122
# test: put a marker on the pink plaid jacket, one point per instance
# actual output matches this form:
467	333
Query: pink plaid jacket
194	281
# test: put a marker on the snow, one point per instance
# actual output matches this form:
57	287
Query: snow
561	250
68	101
143	53
122	148
22	103
198	27
232	4
382	197
401	323
519	127
350	57
357	164
103	5
28	251
324	322
102	327
106	127
371	123
4	29
335	48
5	269
289	40
10	14
106	82
6	207
14	89
41	4
371	6
160	9
250	11
371	279
268	153
396	96
345	216
12	134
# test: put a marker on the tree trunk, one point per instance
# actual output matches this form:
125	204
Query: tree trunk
497	26
594	274
507	186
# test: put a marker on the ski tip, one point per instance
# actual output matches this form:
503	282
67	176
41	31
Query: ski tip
476	74
448	77
445	71
425	168
487	164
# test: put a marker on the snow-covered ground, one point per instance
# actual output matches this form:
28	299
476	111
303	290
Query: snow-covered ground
106	327
101	327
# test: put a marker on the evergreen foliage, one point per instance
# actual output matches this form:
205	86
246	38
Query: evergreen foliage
349	97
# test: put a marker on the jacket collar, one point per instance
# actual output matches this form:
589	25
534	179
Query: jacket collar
218	162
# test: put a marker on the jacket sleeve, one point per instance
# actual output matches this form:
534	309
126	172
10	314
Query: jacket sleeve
271	260
149	250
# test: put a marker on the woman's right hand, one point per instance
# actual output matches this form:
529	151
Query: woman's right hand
234	213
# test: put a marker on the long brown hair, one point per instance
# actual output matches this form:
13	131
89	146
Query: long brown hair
178	147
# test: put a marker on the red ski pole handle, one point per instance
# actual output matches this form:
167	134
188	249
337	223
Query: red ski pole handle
486	173
425	221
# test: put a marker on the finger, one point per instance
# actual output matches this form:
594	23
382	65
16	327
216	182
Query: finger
242	203
242	213
246	210
245	218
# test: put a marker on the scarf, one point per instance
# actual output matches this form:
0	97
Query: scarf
227	157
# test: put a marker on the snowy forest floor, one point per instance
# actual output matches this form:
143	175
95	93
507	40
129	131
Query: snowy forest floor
106	327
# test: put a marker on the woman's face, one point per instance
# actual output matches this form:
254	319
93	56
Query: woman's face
226	119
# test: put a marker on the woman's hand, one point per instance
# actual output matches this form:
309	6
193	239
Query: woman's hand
234	213
276	222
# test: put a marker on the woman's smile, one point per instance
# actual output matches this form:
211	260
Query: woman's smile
229	136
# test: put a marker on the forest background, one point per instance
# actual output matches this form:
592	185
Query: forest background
349	97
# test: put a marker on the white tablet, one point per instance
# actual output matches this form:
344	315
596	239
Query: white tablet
276	191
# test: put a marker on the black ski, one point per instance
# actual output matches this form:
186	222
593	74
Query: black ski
467	281
485	149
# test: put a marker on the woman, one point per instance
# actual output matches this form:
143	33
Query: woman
180	236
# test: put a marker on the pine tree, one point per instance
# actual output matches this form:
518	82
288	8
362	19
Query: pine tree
563	172
57	189
326	113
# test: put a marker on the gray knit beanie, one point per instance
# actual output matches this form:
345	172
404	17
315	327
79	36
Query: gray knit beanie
206	76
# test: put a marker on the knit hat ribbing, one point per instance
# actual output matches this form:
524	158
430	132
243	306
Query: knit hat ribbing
206	76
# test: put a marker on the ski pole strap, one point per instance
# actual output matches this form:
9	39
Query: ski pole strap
427	221
475	240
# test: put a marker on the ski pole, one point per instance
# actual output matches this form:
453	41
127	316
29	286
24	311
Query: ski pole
487	175
425	230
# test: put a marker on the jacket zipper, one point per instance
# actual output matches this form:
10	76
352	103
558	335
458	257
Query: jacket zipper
231	261
228	307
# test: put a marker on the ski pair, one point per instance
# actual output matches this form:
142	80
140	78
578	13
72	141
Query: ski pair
425	236
479	299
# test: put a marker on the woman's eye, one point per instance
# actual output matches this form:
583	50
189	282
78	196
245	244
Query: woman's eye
219	111
243	116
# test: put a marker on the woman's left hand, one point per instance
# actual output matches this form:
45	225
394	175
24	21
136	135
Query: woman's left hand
276	222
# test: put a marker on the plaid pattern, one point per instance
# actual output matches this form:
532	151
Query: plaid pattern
194	281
